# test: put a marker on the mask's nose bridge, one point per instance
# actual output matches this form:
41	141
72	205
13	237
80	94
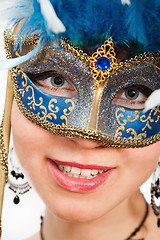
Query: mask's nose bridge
103	64
94	114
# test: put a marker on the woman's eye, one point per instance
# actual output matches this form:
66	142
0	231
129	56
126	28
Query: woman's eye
132	94
57	82
54	84
133	97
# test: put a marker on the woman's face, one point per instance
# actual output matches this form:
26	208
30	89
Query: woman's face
75	200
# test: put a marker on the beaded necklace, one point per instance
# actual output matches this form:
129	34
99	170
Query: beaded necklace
128	238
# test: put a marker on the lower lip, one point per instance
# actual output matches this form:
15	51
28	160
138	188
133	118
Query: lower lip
78	184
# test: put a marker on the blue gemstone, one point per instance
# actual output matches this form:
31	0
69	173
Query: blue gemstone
103	63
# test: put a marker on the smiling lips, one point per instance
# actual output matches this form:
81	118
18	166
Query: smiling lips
78	178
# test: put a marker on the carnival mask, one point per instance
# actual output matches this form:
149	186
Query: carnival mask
70	93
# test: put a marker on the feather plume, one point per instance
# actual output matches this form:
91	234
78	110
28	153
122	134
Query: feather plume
90	22
131	20
153	100
54	23
126	2
141	17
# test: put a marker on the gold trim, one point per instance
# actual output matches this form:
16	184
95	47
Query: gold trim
146	57
77	53
11	38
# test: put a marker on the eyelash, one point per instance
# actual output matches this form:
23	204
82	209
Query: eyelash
122	100
35	78
54	84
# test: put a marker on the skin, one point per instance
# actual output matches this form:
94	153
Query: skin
112	211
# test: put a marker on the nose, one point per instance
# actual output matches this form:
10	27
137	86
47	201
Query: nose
86	143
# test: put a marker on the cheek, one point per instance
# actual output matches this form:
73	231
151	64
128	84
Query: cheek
27	139
141	162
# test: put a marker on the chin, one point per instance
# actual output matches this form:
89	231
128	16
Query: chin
76	215
74	210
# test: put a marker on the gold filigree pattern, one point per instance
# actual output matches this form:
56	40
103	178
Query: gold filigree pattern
24	83
67	112
51	105
136	116
135	136
50	115
143	119
32	102
149	119
106	50
23	76
120	115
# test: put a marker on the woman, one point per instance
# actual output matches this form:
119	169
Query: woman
87	144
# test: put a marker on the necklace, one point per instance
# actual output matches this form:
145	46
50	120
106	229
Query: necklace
128	238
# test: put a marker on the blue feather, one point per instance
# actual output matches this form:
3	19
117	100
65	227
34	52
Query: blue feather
141	16
91	21
85	19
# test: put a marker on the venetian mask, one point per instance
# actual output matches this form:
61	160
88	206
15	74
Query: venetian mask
94	96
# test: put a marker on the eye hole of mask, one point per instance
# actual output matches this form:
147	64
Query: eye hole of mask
132	97
54	83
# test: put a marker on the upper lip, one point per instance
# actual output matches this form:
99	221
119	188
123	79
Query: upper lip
78	165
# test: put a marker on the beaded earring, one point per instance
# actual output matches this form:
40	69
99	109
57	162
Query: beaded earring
155	193
16	179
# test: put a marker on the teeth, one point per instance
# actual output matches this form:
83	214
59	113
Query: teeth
79	173
85	172
94	172
60	167
75	170
69	174
67	168
75	175
80	176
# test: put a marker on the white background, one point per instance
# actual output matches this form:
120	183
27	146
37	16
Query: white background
22	220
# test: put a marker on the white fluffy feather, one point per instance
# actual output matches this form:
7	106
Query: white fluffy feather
54	23
153	100
126	2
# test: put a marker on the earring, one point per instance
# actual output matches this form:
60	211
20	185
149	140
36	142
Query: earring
16	179
155	193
